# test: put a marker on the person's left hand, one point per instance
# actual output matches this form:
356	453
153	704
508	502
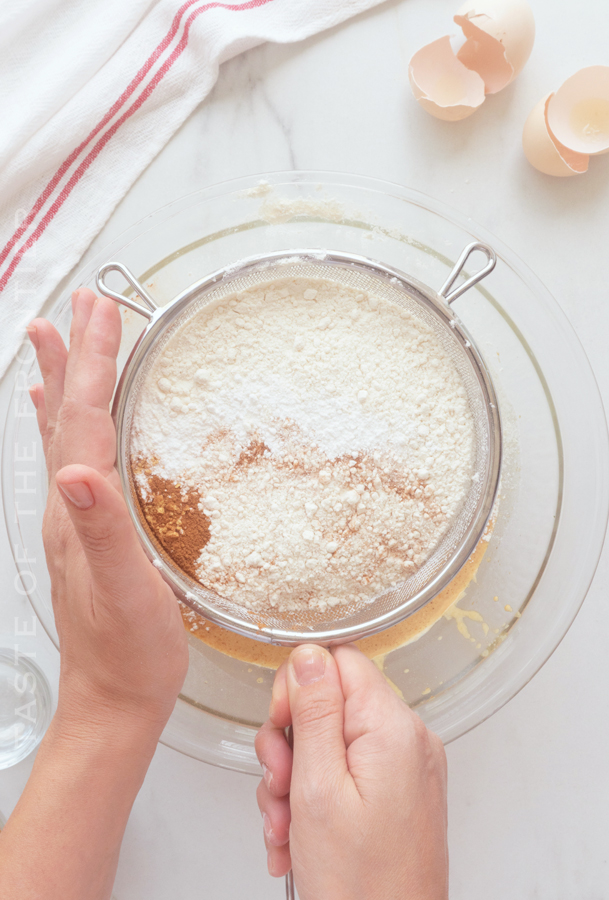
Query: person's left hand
123	645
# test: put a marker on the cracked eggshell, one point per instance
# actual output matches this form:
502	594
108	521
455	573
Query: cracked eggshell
500	36
544	151
442	84
578	113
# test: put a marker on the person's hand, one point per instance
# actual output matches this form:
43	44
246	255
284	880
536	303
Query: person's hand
358	809
123	645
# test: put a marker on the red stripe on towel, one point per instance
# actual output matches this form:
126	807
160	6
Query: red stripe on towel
94	153
111	112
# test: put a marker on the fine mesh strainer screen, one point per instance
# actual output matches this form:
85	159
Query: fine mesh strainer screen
357	619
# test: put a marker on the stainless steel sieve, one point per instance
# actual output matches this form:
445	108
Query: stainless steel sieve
354	621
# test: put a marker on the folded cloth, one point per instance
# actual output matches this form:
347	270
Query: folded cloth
91	92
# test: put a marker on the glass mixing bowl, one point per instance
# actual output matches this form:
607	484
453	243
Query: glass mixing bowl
554	492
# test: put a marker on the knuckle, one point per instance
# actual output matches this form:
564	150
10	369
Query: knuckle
55	529
69	411
48	531
369	717
413	740
98	540
419	732
259	744
261	796
315	711
261	741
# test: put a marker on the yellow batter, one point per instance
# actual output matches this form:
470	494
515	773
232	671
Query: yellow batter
271	656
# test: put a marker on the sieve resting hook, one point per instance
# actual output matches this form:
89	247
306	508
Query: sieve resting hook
146	308
445	290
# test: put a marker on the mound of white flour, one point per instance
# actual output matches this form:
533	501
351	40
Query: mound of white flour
326	432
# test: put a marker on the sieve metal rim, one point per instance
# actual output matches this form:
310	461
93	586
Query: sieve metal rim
160	318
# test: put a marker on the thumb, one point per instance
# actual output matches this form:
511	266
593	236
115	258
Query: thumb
317	709
103	526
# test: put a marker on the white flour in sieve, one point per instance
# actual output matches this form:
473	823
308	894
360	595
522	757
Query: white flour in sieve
325	433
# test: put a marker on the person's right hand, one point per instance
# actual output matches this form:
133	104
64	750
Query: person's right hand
358	809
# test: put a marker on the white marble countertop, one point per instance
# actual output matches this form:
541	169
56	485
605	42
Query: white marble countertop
529	789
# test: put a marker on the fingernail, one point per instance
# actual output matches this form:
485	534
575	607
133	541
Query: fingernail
34	395
32	333
268	828
75	299
78	493
267	774
309	665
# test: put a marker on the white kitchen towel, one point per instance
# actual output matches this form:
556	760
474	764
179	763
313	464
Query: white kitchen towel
90	91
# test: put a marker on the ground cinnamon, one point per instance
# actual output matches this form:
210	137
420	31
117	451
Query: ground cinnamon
174	517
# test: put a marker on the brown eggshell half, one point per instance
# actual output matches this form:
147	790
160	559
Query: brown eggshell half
500	36
578	107
442	84
544	151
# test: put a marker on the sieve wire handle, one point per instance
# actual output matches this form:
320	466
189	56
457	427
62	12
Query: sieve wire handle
148	305
289	886
450	295
290	893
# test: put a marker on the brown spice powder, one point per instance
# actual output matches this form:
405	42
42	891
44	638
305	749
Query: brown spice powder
176	522
174	517
254	450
